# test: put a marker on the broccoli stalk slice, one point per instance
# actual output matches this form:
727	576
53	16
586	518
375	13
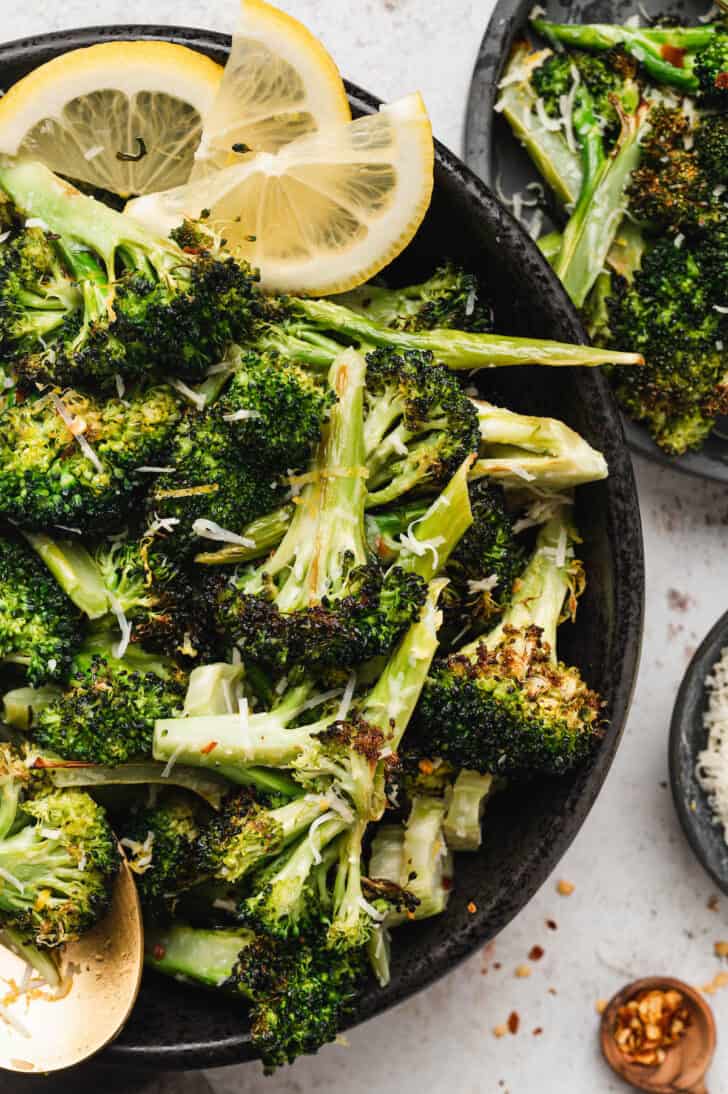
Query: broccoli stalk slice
75	571
644	44
555	161
21	706
208	785
41	961
263	534
426	862
433	537
521	449
351	924
465	806
204	956
211	689
454	348
592	228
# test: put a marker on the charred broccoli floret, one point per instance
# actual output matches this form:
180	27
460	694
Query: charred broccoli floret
73	462
38	298
321	598
159	843
504	703
449	298
711	147
419	424
141	301
300	995
668	311
39	626
554	79
215	487
274	409
58	857
711	70
107	713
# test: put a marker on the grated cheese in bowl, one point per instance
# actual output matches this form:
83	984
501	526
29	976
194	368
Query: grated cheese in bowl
711	769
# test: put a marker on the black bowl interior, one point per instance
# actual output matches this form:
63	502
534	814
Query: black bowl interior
527	831
494	154
687	739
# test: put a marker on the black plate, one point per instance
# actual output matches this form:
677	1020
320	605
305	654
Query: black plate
687	738
494	154
176	1026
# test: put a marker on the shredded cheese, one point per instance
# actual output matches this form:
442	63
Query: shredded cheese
208	529
711	768
346	698
241	415
124	627
76	427
315	825
195	397
167	769
11	879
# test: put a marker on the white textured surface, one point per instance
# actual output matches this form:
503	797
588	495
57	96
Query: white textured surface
640	903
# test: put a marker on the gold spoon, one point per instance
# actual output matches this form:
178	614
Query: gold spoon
42	1034
685	1065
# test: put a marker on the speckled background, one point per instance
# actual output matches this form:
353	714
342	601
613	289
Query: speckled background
640	903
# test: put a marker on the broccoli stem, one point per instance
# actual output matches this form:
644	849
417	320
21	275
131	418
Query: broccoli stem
462	825
550	245
266	532
211	689
75	571
642	43
42	961
459	349
198	954
434	536
426	862
521	449
21	705
542	589
557	164
591	230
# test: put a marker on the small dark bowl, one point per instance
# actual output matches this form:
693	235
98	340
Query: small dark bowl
494	154
174	1026
688	738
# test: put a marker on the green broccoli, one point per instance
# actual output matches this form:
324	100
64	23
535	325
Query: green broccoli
71	461
505	704
449	298
143	302
711	71
58	858
39	626
711	147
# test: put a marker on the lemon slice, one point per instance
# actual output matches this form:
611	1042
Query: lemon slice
323	214
79	113
279	84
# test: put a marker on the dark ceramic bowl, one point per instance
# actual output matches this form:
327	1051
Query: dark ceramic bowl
526	834
493	153
687	739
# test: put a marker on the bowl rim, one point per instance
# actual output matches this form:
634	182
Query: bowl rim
683	782
507	19
628	595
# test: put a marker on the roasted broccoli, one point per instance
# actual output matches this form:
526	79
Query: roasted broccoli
39	626
449	298
321	598
140	301
711	147
711	71
58	857
72	461
505	704
106	714
300	995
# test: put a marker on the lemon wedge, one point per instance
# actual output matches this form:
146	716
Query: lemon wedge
279	83
123	116
323	214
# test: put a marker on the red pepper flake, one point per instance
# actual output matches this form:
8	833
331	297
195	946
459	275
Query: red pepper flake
158	952
497	965
209	748
721	81
552	924
552	991
535	953
513	1022
426	767
673	55
538	1031
472	907
447	884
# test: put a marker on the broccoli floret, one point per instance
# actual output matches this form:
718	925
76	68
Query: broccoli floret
554	79
107	713
143	301
58	856
505	704
39	626
449	298
214	486
38	300
72	461
275	410
321	598
419	424
668	312
711	147
300	995
711	69
159	842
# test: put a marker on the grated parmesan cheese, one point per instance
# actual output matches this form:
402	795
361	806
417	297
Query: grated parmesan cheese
711	769
208	529
195	397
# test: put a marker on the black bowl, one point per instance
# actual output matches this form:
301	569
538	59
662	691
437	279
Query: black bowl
493	153
174	1026
687	738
